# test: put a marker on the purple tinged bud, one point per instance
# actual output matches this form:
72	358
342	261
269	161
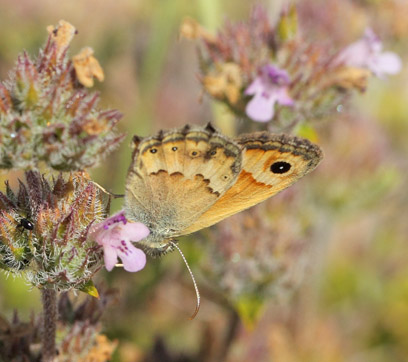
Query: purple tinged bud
276	76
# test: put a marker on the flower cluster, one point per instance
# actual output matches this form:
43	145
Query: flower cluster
270	73
44	229
51	229
46	113
49	118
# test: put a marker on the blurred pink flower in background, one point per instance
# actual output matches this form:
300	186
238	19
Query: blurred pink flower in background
268	88
116	235
367	53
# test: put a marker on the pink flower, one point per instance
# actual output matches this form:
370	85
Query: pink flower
367	53
116	235
268	88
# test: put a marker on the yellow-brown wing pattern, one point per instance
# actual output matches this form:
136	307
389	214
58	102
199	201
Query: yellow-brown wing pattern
175	176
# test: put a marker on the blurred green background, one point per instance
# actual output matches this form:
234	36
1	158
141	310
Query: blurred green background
347	296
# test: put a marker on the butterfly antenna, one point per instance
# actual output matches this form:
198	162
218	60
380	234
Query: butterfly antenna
193	279
115	196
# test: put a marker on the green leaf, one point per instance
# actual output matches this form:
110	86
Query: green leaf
89	288
249	308
306	131
288	24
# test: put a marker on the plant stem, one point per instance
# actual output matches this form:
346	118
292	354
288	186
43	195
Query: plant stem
230	335
49	300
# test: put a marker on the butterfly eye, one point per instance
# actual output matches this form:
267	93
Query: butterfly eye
213	153
153	150
280	167
174	148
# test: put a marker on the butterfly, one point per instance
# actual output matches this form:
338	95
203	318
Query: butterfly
186	179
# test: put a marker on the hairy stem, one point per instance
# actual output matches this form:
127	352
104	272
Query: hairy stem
49	300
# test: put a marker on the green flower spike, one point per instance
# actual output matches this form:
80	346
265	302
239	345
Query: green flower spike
44	229
48	116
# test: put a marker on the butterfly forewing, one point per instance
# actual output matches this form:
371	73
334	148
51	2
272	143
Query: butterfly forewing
270	164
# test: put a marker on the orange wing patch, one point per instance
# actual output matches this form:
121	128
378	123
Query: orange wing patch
257	181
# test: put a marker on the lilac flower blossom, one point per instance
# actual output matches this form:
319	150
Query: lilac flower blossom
116	235
268	88
367	53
